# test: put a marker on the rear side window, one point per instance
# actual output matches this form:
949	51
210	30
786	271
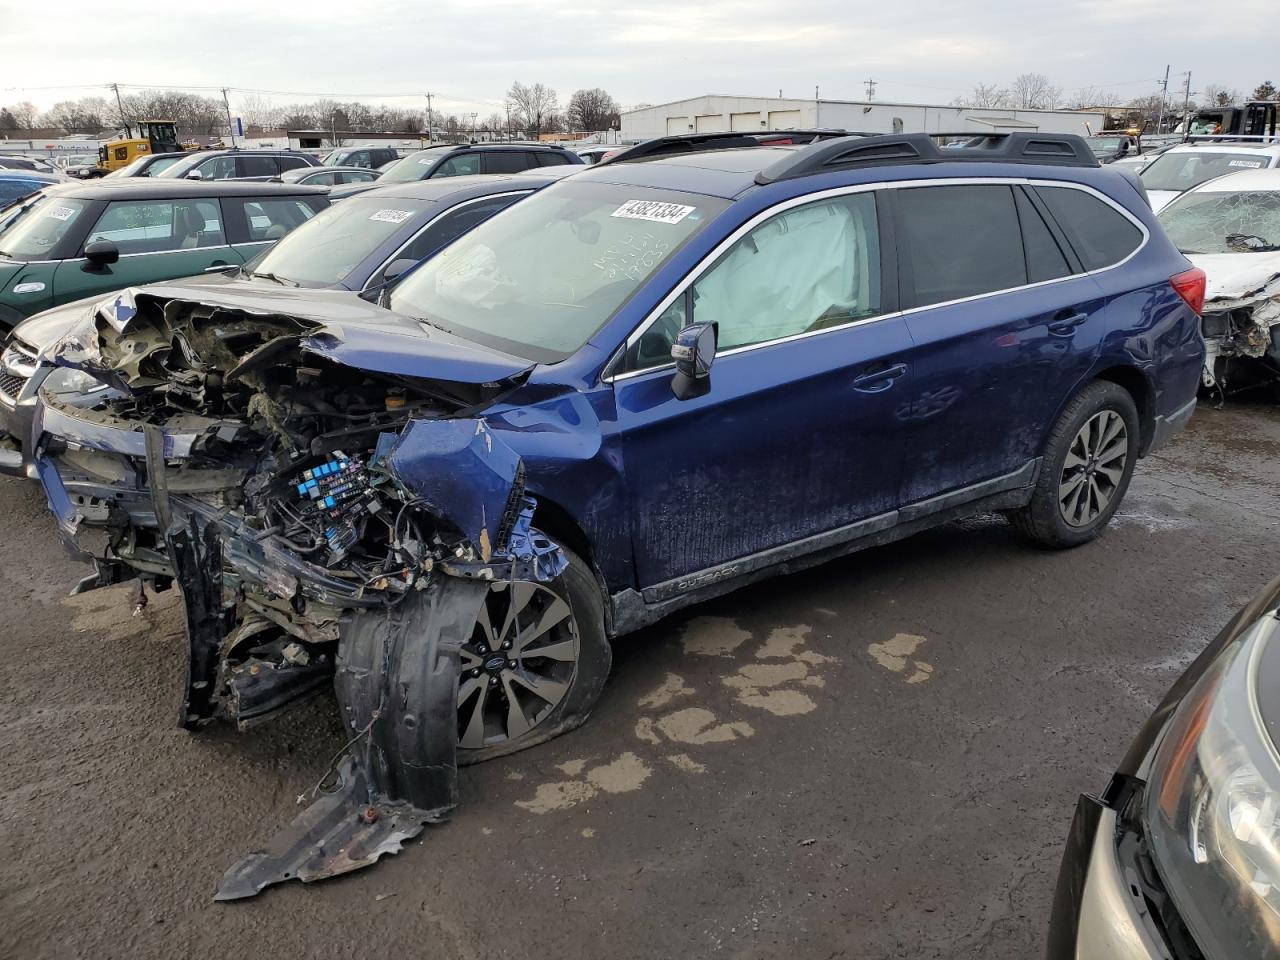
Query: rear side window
273	219
960	241
1045	260
259	166
291	163
550	159
506	161
1101	235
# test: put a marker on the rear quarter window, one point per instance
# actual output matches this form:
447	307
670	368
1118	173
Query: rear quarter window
1101	234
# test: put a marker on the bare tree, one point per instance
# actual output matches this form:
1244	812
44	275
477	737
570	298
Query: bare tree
591	110
986	96
1092	97
1214	95
1266	90
86	115
260	113
530	105
1033	91
24	114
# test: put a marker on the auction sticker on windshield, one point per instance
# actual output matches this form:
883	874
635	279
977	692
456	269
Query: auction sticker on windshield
61	213
391	216
1251	164
653	210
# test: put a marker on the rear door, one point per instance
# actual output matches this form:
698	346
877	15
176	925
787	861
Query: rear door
157	239
256	168
1004	322
797	435
508	161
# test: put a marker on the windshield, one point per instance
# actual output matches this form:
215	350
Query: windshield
1182	171
413	167
1224	222
323	251
35	229
540	278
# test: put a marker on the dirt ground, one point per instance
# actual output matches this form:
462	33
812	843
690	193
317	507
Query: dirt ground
878	758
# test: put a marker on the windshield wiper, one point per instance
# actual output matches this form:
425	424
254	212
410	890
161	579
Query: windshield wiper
283	281
1248	243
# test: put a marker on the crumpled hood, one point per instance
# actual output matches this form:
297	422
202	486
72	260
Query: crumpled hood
346	329
1236	275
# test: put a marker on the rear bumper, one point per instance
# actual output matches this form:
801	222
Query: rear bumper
1166	427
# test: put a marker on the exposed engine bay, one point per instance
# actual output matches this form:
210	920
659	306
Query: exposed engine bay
1242	336
323	521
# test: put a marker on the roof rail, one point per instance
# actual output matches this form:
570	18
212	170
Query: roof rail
706	142
1055	149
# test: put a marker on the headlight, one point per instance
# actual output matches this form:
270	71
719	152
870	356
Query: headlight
65	381
1213	803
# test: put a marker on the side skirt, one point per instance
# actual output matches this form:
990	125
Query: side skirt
634	609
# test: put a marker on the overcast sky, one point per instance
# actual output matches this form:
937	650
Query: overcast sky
467	54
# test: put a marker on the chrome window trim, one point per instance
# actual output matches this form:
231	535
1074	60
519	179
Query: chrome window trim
709	260
443	213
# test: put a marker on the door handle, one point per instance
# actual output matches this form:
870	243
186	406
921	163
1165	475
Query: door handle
879	378
1065	323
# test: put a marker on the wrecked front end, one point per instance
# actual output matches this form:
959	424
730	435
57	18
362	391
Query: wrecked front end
1241	325
329	514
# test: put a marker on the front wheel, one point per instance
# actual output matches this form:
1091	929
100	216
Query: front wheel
535	664
1088	462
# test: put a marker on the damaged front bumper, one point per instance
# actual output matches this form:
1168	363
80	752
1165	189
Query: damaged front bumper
300	567
1243	324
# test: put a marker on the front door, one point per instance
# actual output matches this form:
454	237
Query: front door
157	239
796	437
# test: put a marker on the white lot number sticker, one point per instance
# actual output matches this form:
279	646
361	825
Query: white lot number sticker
391	216
653	210
1251	164
61	213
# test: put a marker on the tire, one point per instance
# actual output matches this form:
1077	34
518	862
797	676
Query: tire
1081	467
584	679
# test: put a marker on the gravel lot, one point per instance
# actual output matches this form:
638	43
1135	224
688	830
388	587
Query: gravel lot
875	759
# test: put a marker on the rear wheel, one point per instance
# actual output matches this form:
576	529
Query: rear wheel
1088	463
535	664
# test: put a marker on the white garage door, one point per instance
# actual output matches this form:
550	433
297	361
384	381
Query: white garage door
712	123
677	126
784	119
744	121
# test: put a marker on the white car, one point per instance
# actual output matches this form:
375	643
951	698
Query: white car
1230	229
1182	167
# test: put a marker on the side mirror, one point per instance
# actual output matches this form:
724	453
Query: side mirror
397	268
693	352
195	175
100	254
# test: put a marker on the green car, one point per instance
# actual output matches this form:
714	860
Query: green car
77	240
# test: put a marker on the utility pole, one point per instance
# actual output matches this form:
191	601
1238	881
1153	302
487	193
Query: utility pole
871	88
230	126
1164	91
430	118
128	130
1186	108
815	91
508	106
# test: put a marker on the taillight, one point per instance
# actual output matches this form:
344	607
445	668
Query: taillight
1190	287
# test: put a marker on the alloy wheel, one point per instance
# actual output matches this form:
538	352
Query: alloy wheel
1093	468
518	664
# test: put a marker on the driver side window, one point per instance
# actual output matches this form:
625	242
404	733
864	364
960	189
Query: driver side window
809	268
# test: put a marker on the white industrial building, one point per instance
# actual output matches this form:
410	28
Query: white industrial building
712	114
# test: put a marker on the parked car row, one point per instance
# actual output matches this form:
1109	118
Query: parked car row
529	413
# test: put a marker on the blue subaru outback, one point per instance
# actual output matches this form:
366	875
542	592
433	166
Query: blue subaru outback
688	368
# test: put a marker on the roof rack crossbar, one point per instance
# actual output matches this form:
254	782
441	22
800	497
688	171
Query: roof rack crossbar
1056	149
683	143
